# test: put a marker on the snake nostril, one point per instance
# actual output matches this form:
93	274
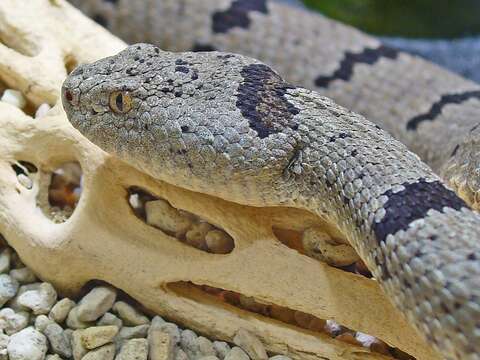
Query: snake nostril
68	95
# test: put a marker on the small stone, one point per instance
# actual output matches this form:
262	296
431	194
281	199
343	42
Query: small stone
171	329
110	319
332	327
5	257
13	303
53	357
251	344
23	275
41	322
129	315
106	352
27	344
69	334
279	357
133	332
236	354
157	321
96	303
14	97
180	354
221	349
8	288
196	235
40	300
219	242
205	347
12	322
59	341
61	309
74	322
161	345
161	214
4	340
78	350
135	349
97	336
348	337
209	357
189	343
42	110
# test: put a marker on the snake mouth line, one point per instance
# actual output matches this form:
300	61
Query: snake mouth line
284	316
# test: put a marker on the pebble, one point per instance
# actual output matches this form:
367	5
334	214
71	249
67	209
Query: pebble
196	235
157	321
129	315
161	344
110	319
161	214
23	275
180	354
279	357
133	332
39	300
5	257
12	322
251	344
58	340
189	343
135	349
4	340
205	347
209	357
74	322
96	303
221	349
171	329
237	354
61	309
41	322
13	303
27	344
8	288
42	110
219	242
106	352
53	357
97	336
14	98
78	350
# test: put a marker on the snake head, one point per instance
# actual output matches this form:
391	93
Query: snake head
188	118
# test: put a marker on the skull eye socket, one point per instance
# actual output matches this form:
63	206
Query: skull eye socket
120	102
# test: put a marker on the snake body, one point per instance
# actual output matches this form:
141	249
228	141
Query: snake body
227	125
434	112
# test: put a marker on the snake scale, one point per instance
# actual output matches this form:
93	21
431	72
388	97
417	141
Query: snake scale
228	125
434	112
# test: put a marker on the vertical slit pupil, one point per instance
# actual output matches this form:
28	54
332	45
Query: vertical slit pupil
119	102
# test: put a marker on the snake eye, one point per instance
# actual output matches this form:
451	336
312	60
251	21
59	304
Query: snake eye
120	102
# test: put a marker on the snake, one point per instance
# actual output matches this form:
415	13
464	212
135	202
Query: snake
229	126
433	111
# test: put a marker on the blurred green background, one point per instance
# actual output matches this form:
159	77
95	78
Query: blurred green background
406	18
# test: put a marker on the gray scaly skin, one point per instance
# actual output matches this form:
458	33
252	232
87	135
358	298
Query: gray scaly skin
229	126
426	107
